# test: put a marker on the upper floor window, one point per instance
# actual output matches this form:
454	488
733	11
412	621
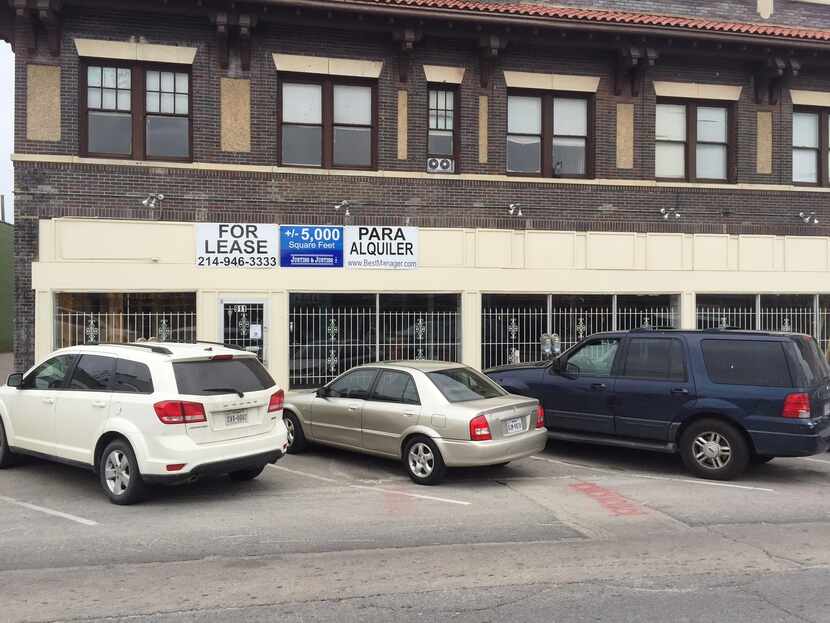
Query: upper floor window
548	135
442	123
119	120
692	142
810	146
327	124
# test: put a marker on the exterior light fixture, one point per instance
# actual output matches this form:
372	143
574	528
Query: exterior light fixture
669	213
343	204
515	209
152	200
808	218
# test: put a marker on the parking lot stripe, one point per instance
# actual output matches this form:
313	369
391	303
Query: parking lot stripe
619	472
49	511
306	474
411	495
809	458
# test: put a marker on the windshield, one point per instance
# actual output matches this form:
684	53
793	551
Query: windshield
210	378
464	384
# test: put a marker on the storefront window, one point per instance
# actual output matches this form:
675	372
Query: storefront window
331	333
109	317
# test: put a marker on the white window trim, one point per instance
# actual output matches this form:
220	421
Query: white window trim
551	82
440	74
810	98
698	91
322	65
133	51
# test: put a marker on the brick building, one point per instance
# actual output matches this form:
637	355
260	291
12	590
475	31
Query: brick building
567	167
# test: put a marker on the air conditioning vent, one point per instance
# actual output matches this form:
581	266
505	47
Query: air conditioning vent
440	165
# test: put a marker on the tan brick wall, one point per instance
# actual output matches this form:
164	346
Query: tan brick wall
625	136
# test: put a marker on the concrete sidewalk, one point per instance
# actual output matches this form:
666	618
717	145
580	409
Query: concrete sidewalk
6	365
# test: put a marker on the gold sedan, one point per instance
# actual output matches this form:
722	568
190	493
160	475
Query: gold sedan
429	414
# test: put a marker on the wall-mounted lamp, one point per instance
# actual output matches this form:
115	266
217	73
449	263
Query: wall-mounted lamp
152	200
669	213
515	209
809	218
343	204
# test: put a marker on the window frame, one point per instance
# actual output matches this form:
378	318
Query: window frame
456	125
138	107
823	177
547	136
327	84
374	398
621	372
68	383
690	151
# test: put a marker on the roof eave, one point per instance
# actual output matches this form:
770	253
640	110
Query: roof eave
541	21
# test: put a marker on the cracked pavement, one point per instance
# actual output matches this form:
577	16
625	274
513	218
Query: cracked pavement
577	533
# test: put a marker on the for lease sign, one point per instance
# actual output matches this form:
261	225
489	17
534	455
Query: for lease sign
242	245
383	247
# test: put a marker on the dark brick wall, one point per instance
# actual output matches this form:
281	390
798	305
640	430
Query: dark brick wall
46	191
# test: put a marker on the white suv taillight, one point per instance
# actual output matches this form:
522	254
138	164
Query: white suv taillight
180	412
277	401
479	429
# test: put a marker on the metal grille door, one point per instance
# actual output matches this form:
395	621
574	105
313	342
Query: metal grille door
419	335
511	334
243	325
74	328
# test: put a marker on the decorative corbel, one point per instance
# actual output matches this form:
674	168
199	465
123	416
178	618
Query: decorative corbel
638	75
407	37
626	60
222	36
489	48
49	15
246	25
769	78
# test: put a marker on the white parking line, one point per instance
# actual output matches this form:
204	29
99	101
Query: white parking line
368	488
306	474
691	481
411	495
809	458
49	511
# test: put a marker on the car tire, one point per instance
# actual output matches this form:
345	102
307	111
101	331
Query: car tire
7	458
714	449
117	461
244	475
760	459
423	461
297	442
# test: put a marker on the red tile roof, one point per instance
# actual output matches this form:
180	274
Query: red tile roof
608	17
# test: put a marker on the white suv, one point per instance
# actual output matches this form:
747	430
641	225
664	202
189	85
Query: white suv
146	413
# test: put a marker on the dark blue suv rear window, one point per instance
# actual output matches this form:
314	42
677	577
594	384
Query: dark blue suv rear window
746	362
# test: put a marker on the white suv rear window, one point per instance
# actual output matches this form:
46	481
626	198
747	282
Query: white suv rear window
226	376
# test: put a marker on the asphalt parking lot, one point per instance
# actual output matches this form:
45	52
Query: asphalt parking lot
585	502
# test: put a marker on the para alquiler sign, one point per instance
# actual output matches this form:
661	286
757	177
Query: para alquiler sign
381	247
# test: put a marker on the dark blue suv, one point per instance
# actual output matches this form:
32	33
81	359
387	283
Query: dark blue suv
722	399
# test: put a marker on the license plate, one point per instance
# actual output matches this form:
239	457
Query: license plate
513	426
234	418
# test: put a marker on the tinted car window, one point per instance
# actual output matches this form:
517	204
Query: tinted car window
225	376
746	362
810	365
395	387
93	373
596	358
51	374
132	377
353	384
463	384
657	359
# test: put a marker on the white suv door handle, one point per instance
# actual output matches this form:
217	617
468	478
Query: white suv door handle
100	404
49	401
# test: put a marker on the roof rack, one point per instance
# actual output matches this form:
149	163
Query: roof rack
161	350
231	346
649	329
